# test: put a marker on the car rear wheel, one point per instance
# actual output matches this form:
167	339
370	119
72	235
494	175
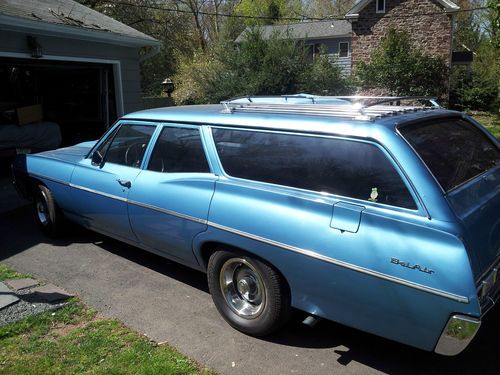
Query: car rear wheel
250	295
47	214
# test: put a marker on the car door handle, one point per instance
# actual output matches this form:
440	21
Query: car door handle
124	183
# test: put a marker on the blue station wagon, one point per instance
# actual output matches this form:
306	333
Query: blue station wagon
377	215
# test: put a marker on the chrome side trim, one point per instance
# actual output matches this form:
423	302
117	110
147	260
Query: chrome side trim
49	178
144	205
343	264
168	212
458	333
112	196
309	253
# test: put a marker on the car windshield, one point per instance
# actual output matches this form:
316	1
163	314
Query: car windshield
453	149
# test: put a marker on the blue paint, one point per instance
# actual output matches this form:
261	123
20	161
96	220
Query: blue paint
335	252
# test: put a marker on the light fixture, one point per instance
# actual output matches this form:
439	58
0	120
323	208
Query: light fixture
168	86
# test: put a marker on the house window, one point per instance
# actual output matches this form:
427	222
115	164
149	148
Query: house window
344	49
313	50
380	6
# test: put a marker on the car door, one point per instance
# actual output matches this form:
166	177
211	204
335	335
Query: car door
101	183
169	203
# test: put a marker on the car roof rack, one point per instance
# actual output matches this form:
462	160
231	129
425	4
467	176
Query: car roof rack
355	107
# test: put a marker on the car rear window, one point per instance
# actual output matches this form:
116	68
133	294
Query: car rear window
453	149
337	166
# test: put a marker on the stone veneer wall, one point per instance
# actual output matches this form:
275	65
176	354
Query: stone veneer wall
432	33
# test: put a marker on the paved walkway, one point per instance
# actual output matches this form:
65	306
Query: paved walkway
169	302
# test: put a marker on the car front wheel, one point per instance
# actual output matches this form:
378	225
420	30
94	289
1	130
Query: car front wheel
47	214
250	295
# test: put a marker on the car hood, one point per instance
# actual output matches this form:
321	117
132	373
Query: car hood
70	154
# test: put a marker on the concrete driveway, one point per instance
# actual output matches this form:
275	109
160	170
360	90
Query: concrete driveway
170	303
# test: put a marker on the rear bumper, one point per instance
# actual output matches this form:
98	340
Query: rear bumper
461	329
458	333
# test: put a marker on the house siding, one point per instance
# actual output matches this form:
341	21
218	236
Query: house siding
332	46
15	42
430	32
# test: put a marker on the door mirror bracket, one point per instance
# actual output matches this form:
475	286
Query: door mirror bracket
97	159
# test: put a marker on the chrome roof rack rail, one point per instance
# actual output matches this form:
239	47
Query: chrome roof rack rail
369	101
358	108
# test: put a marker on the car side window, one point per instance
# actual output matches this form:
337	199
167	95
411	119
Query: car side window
179	150
129	144
336	166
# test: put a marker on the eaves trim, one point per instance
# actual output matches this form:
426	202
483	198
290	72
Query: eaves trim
19	24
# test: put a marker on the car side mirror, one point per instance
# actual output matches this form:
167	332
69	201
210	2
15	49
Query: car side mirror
97	159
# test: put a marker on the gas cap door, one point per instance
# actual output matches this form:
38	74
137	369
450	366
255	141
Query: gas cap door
346	216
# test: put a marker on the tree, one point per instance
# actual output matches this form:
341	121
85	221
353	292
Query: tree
258	66
476	86
494	22
400	69
175	31
267	12
324	77
327	8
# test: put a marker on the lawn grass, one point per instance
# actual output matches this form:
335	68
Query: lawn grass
74	340
7	273
491	121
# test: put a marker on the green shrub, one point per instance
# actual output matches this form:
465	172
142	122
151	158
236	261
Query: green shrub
400	69
477	87
325	77
257	66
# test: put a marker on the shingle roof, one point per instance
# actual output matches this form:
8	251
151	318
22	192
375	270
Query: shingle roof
68	13
305	30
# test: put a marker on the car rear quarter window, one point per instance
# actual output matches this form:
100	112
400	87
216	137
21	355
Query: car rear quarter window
179	150
343	167
454	150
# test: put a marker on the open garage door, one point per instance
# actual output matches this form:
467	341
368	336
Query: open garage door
78	97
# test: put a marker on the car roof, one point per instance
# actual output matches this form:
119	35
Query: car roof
216	115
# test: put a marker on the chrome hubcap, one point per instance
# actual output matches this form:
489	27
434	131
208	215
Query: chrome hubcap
242	287
42	212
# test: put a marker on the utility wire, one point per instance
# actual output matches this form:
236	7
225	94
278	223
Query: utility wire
304	18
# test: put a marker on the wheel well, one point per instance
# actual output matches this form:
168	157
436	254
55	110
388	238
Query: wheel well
208	248
31	187
26	186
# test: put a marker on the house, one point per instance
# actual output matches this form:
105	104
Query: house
78	65
428	22
353	39
335	36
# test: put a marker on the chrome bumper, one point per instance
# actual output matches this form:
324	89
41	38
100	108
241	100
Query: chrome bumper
458	333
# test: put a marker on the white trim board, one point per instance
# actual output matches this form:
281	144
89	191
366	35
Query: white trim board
353	14
117	71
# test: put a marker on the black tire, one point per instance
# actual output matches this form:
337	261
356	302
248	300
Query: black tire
47	215
269	312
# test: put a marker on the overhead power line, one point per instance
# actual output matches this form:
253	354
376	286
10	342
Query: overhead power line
304	18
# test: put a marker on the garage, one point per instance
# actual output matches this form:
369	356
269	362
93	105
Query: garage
78	97
67	73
